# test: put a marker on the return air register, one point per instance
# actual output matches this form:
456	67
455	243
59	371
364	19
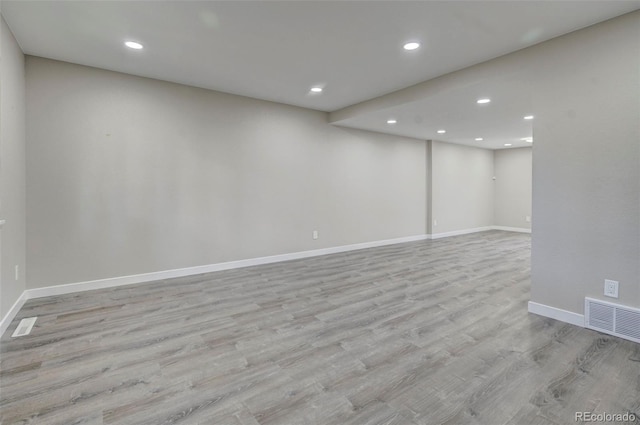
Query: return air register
612	319
24	327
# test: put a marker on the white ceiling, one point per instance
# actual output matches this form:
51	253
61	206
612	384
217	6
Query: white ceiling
455	110
276	50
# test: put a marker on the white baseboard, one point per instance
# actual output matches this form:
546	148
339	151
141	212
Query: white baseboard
13	311
459	232
556	313
190	271
512	229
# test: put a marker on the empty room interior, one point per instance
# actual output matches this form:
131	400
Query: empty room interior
319	212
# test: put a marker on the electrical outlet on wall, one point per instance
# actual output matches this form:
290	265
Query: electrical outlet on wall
315	234
611	288
527	218
435	223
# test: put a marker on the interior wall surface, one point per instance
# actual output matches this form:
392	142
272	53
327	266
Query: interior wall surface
586	165
512	188
12	170
128	175
461	187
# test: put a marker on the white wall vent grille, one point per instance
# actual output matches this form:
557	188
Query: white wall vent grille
613	319
24	327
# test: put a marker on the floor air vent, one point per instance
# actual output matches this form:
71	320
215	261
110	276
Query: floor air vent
24	327
612	319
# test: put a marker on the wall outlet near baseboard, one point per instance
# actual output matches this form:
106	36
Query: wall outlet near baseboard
435	223
527	218
315	234
611	288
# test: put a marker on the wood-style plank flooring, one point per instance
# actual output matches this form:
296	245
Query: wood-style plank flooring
430	332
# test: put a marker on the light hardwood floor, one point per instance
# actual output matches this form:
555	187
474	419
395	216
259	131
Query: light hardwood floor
431	332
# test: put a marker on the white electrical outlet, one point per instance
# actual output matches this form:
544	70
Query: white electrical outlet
611	288
315	234
17	272
435	223
527	218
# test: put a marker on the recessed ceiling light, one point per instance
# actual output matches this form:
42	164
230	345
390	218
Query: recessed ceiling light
133	45
412	45
316	89
479	139
441	131
507	144
392	121
528	117
483	101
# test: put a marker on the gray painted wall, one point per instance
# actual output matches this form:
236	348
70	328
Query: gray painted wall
586	174
461	187
12	169
129	175
512	187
